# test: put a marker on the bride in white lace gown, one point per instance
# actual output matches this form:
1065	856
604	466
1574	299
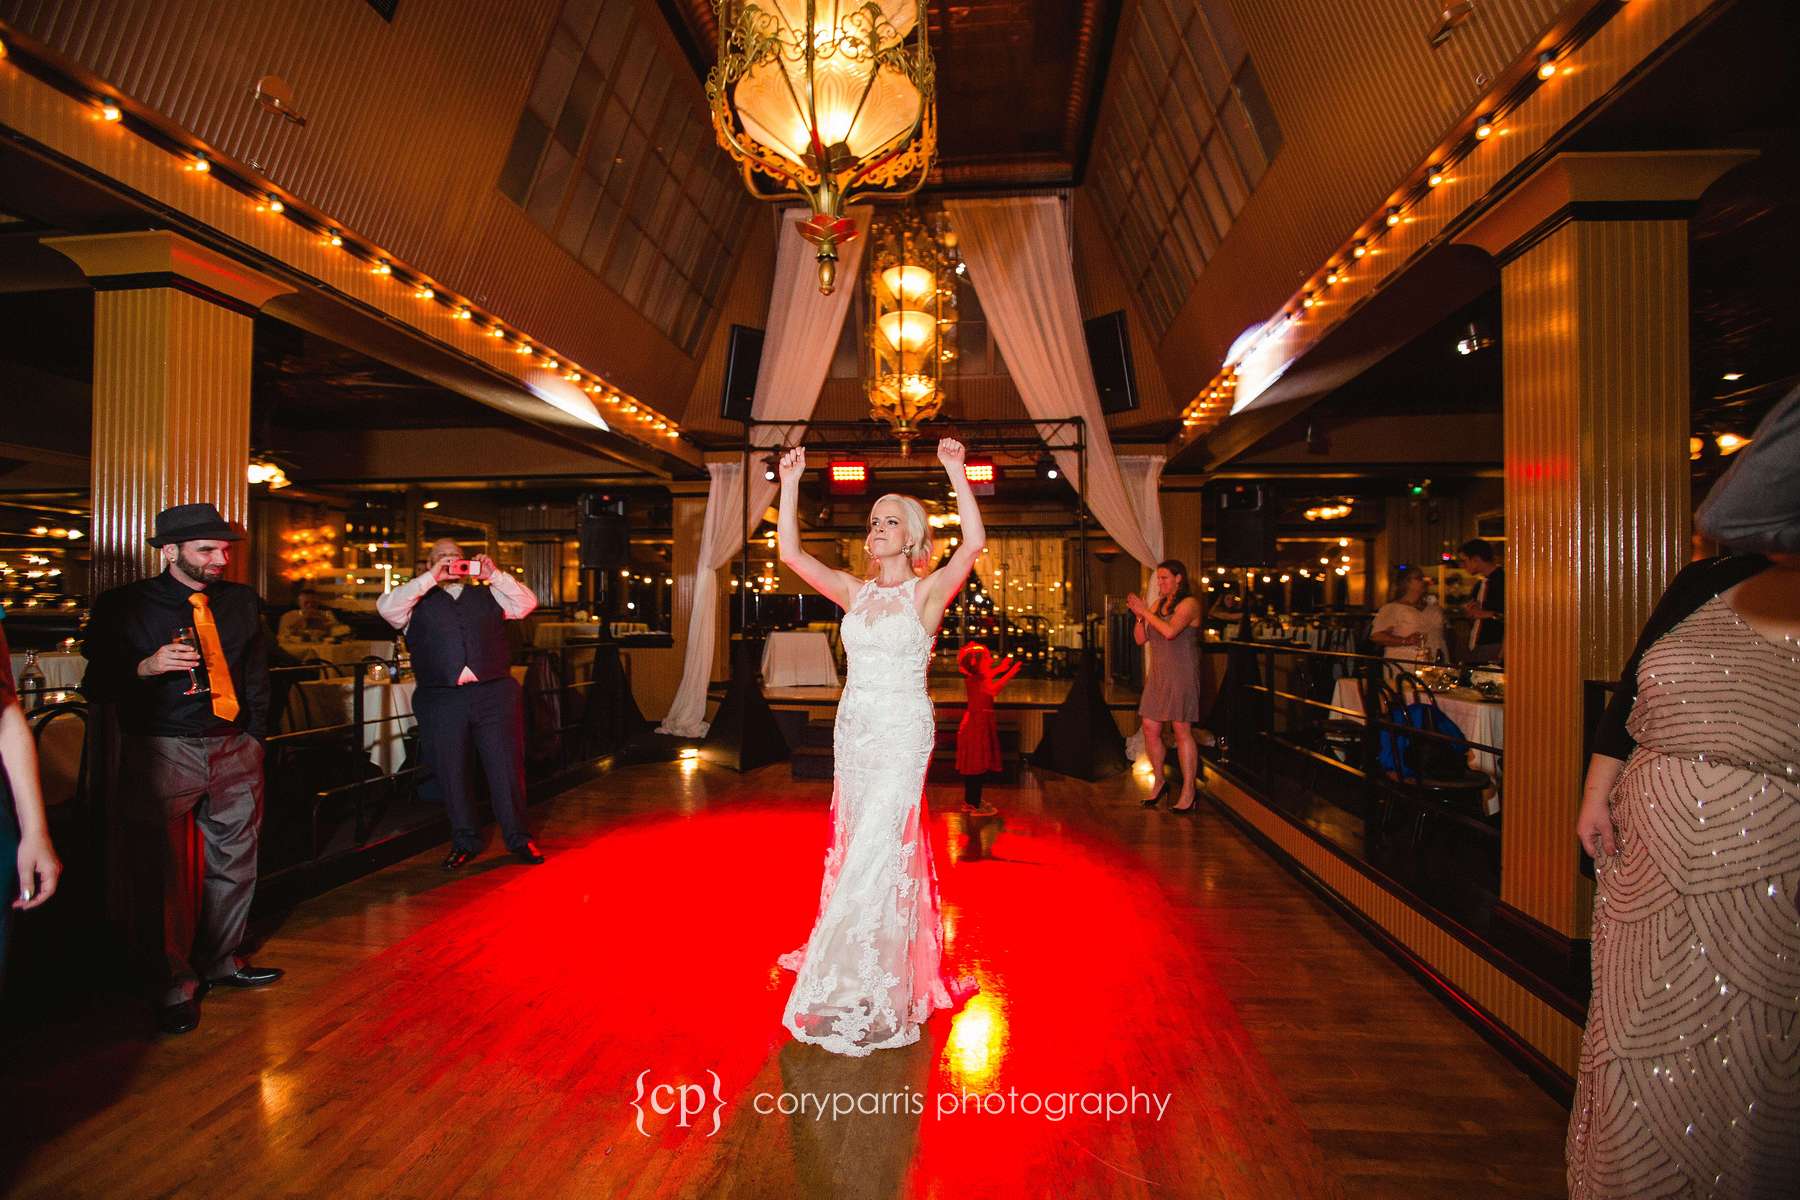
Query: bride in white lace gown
871	972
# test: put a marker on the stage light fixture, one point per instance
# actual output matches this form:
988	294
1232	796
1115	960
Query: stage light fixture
1046	467
849	477
981	475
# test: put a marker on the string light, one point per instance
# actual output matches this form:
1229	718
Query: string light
201	165
110	113
1434	179
1546	65
424	293
1393	217
381	268
1485	130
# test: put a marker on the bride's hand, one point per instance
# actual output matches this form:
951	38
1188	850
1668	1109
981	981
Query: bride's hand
951	453
793	463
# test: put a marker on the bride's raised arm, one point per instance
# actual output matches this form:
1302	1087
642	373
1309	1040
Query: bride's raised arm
943	584
838	586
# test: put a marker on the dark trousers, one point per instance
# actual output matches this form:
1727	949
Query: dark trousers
9	882
197	806
491	716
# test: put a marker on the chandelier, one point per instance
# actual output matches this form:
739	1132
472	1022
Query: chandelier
912	318
823	97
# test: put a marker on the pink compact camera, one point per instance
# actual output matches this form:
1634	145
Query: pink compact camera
465	566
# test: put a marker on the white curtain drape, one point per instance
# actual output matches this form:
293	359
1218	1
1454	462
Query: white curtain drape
802	335
1022	266
1142	476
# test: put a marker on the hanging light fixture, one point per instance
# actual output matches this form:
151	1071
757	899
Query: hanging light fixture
825	97
912	319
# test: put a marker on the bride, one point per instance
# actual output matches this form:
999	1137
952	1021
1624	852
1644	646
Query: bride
869	975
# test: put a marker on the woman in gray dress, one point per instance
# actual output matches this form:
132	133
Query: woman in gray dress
1165	628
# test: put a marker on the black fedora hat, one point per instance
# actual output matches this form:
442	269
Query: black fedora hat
190	523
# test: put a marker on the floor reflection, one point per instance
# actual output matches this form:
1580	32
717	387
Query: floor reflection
855	1121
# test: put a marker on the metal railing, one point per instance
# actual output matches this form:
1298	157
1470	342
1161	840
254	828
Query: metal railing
1284	733
313	767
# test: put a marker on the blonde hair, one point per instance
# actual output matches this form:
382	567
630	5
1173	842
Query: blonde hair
918	529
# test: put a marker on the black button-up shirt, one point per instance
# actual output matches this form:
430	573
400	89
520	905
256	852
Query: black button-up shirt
132	622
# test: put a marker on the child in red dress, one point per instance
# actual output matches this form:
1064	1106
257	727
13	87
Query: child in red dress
977	740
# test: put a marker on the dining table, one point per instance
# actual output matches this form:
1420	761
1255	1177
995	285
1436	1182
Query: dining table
798	658
349	650
1480	719
62	668
387	713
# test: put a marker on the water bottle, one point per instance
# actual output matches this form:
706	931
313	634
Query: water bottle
31	682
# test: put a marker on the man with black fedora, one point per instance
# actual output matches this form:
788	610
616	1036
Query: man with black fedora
193	713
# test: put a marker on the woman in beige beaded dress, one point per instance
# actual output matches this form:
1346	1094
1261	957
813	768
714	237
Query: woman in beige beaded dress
1689	1083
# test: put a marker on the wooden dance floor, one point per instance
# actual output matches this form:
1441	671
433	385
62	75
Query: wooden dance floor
1164	1012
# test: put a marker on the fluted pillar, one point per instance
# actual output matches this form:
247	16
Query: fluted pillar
1594	333
172	343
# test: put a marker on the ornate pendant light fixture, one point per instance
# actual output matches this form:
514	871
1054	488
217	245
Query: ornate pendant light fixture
911	337
825	97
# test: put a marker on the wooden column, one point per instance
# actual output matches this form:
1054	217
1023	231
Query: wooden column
1594	331
1181	512
171	422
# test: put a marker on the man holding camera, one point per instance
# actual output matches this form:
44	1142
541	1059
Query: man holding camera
456	633
183	659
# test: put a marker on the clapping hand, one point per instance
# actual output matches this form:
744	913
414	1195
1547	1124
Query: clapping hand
793	463
951	453
1136	604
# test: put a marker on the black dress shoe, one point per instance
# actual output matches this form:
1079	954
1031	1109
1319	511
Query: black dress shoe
529	854
180	1017
458	858
248	976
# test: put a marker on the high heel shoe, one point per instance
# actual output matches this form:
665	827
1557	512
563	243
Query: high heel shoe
1157	797
1192	805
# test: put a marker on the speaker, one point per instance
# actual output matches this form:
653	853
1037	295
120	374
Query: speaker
600	527
743	359
1245	530
1109	350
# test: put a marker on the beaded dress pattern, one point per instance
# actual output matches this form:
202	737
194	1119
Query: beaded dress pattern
1689	1083
869	975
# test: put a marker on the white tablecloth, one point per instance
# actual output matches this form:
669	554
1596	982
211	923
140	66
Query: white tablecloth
353	651
550	635
1482	721
61	668
798	658
323	702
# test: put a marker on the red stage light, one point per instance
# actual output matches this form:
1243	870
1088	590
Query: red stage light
981	475
849	477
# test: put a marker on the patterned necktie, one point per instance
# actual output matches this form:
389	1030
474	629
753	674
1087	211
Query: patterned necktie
218	671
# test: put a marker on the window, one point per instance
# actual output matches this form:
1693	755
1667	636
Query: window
610	157
1187	137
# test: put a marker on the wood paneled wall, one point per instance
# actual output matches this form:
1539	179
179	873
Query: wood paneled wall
1361	100
1597	508
171	420
408	125
1101	288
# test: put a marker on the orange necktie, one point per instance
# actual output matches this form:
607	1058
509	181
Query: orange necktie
218	671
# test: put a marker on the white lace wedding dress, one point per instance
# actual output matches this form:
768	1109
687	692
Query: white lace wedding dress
869	975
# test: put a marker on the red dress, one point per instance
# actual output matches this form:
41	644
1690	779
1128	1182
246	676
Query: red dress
977	738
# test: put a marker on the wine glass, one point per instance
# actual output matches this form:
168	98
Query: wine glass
184	636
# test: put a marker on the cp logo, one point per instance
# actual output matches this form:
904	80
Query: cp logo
686	1100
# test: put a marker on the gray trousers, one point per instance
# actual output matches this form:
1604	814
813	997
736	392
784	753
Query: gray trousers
196	807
